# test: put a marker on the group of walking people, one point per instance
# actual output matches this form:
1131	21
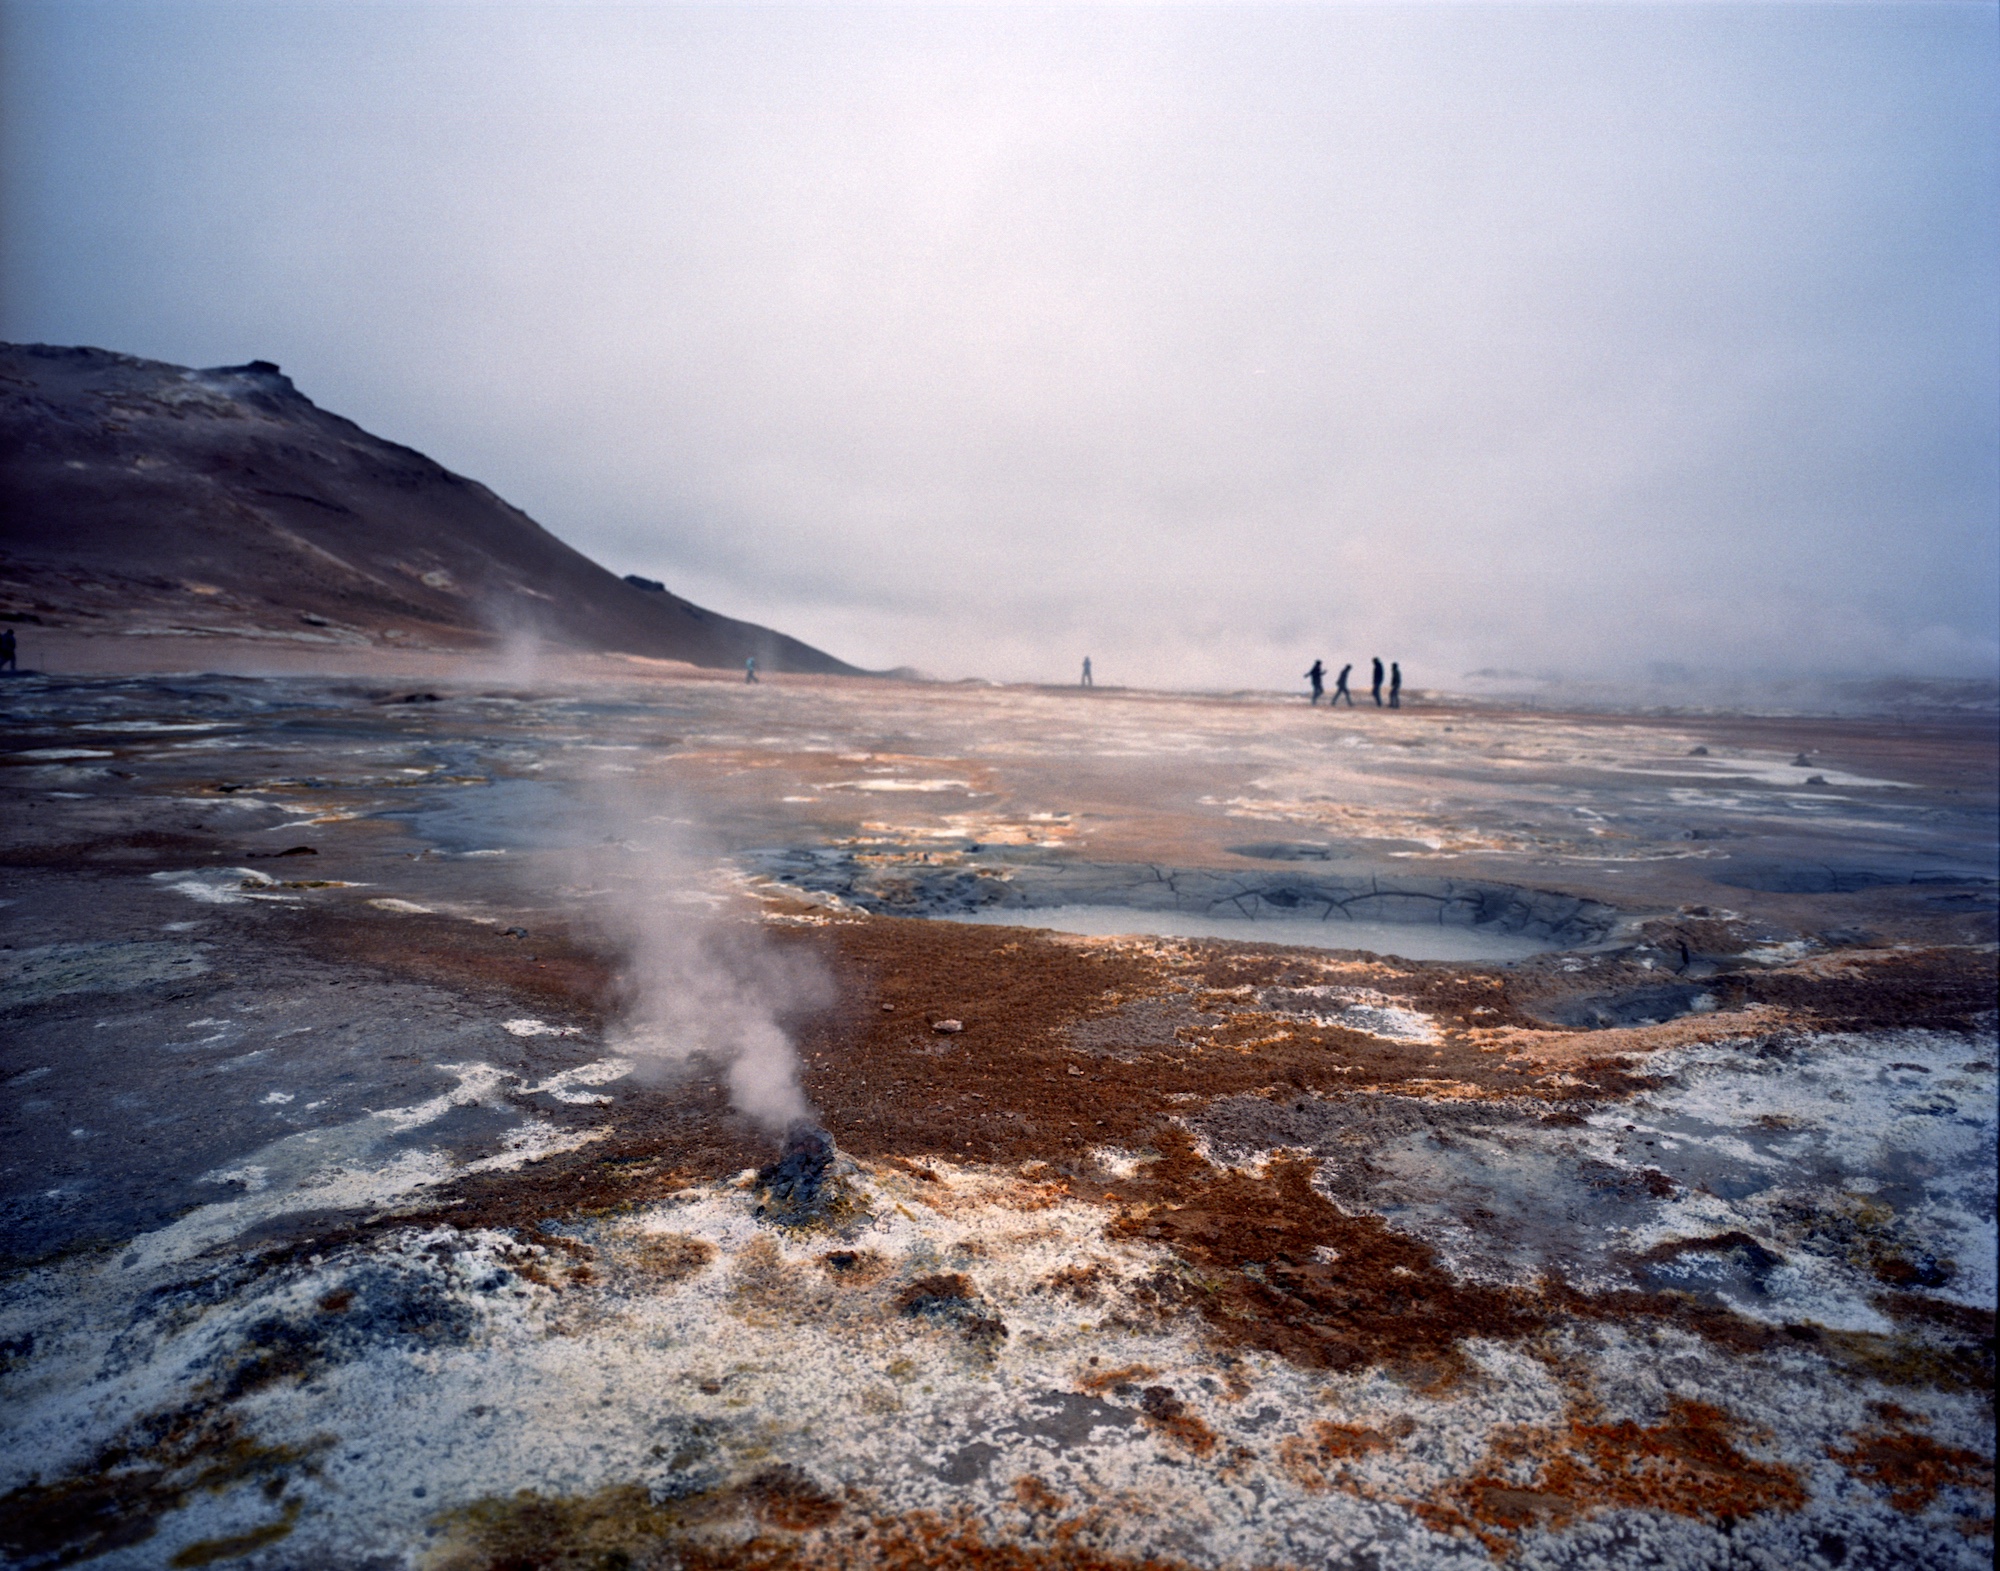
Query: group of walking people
1317	676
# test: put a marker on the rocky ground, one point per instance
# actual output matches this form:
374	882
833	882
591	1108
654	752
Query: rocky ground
377	1190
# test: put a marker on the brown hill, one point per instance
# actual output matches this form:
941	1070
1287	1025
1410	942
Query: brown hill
142	497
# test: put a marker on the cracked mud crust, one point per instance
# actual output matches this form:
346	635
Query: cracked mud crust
346	1229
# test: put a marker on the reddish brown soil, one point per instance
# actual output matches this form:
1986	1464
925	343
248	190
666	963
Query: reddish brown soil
1688	1464
1004	1090
1691	1464
1068	1045
1911	1468
1320	1461
1258	1281
1015	1086
552	970
801	1530
1954	1343
120	1498
1937	989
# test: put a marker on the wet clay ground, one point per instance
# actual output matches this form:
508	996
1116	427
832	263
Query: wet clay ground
349	1222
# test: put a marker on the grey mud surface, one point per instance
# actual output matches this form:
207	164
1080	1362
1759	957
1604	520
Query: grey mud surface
340	1230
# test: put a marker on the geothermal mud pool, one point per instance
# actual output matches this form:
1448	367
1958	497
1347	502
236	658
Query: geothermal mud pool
396	1167
1407	940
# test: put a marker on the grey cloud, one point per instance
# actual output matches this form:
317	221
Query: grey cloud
1202	340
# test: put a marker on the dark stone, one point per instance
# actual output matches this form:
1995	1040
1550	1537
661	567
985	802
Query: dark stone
795	1183
1634	1006
1160	1402
1069	1418
969	1464
1825	878
375	1304
1283	851
936	1295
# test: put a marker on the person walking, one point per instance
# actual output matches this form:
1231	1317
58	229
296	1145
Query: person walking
1340	688
1087	680
1378	682
750	669
1395	684
1317	676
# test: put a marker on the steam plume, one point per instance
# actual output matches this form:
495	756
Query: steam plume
702	984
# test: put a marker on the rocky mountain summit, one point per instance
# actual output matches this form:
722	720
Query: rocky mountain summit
138	497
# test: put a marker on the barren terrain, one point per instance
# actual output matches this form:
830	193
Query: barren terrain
350	1221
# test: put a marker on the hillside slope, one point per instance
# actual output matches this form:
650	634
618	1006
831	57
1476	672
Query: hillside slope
141	497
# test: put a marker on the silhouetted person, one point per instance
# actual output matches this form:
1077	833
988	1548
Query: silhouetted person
8	650
1087	682
1378	682
750	669
1317	676
1395	684
1340	688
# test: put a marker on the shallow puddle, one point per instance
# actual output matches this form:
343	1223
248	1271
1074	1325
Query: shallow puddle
1405	940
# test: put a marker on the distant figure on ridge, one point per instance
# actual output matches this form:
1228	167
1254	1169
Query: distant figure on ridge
1378	681
1087	682
1340	687
8	650
750	669
1317	676
1395	684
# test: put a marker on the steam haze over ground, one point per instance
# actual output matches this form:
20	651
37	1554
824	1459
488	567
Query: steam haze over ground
1202	341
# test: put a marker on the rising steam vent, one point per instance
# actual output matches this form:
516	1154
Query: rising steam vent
797	1188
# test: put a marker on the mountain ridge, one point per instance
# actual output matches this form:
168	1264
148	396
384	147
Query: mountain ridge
138	496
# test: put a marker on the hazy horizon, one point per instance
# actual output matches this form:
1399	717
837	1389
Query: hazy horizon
1205	341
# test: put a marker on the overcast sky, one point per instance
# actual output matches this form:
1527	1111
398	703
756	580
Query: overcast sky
1203	341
